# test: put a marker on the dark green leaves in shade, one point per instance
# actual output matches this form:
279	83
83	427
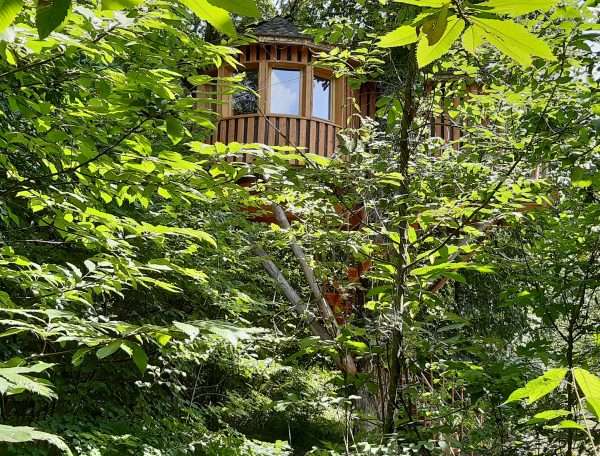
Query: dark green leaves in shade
49	15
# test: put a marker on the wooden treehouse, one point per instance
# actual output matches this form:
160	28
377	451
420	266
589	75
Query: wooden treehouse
290	102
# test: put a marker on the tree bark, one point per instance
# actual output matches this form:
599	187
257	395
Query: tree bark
396	347
344	362
327	315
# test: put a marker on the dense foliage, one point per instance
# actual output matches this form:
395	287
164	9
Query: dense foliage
142	312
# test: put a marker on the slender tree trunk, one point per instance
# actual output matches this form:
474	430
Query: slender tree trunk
330	324
396	348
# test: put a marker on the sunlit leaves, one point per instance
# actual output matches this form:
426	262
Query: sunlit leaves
402	36
438	31
50	14
215	16
539	387
120	4
241	7
516	7
548	415
22	434
513	40
424	3
472	39
8	11
14	380
590	387
428	52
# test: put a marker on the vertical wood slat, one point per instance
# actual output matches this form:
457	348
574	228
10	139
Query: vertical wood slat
231	130
312	140
330	140
292	132
312	135
271	135
322	139
250	137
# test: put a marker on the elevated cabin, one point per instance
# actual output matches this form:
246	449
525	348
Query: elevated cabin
297	104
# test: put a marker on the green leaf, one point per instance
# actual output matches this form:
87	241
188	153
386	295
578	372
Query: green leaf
189	330
13	379
174	129
120	4
539	387
566	424
513	40
241	7
79	356
402	36
9	9
590	387
434	28
424	3
548	415
427	53
581	178
140	358
109	349
517	7
22	434
215	16
472	39
49	15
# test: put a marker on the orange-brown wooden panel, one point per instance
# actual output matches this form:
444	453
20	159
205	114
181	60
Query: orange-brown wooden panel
312	136
250	135
322	138
293	132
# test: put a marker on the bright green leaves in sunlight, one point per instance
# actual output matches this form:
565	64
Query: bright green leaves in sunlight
19	378
8	11
512	39
241	7
22	434
120	4
424	3
539	387
590	387
437	30
402	36
215	16
428	52
50	14
516	7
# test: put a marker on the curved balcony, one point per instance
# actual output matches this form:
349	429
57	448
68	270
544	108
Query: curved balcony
318	136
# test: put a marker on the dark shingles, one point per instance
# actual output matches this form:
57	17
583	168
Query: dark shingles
278	26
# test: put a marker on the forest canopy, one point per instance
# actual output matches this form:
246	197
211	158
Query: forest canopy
406	261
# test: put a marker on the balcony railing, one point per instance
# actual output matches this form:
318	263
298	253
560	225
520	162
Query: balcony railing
316	135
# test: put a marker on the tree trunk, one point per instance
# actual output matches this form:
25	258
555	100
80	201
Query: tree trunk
396	348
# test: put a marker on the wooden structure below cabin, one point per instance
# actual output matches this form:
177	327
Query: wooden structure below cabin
289	101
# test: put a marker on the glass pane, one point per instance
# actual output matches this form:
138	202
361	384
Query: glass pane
285	91
321	102
245	102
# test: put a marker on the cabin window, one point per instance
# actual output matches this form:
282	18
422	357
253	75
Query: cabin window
285	91
246	101
321	98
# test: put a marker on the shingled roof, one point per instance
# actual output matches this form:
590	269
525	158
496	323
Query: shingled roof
278	27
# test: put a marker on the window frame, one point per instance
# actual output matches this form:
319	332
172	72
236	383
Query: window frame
302	109
328	75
